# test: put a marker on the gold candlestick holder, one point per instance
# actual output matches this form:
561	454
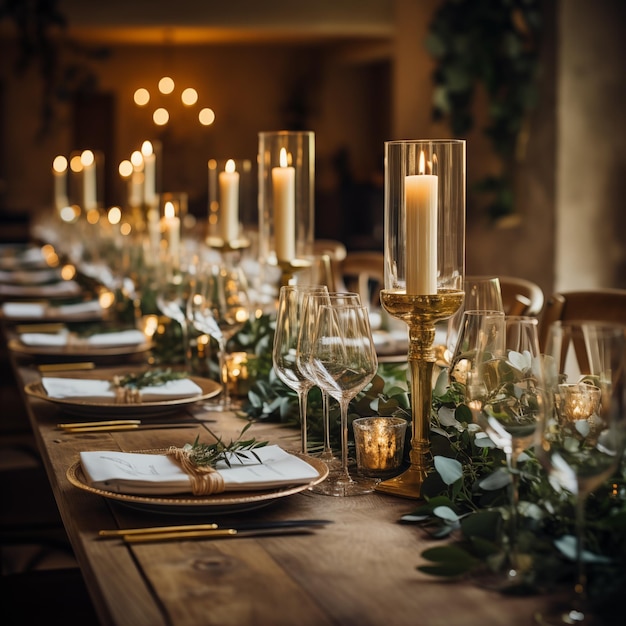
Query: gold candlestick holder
420	313
424	269
289	269
236	245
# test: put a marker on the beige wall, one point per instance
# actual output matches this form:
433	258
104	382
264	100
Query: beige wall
591	166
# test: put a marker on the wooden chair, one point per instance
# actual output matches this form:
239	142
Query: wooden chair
598	305
363	272
521	296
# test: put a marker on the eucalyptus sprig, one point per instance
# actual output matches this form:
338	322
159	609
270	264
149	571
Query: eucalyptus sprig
210	454
148	378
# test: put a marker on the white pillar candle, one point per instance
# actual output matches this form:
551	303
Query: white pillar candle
420	196
149	173
229	202
283	190
90	198
172	231
59	171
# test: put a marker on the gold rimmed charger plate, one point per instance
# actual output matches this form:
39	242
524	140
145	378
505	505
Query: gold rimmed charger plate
227	502
100	408
79	349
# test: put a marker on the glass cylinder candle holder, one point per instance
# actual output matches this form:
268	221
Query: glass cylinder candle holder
286	169
232	206
425	185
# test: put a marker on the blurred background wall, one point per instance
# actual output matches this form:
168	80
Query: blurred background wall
357	72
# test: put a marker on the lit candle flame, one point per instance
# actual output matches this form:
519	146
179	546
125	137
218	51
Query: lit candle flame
230	166
283	158
169	210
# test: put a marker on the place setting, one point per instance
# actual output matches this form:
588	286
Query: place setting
122	392
198	478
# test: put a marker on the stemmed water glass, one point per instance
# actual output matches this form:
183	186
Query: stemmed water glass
482	293
310	308
344	360
218	305
173	288
505	392
582	441
285	348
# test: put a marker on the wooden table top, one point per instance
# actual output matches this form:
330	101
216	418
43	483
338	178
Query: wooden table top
360	570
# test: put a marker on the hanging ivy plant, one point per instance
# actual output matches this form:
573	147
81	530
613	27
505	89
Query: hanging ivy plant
496	44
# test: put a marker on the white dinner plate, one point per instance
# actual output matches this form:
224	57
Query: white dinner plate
222	503
101	408
79	349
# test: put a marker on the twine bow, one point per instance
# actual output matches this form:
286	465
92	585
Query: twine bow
205	480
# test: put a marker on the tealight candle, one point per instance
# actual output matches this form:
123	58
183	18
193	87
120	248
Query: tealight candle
283	188
229	202
379	444
421	231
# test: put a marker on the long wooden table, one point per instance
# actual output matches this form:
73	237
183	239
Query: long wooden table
360	570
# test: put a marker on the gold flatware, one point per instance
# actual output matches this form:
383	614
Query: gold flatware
194	528
155	529
218	533
102	423
50	327
65	367
120	427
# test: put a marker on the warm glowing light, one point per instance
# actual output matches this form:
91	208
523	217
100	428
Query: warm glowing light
106	299
87	158
67	214
169	211
76	164
166	85
59	164
422	164
114	215
161	117
283	157
230	166
141	97
136	158
125	168
146	148
125	229
189	96
212	164
93	216
68	272
206	117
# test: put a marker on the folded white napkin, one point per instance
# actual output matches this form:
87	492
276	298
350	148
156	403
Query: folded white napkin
98	340
62	288
392	342
86	388
25	277
23	310
135	473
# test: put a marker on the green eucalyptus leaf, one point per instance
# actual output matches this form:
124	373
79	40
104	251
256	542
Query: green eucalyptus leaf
496	480
450	470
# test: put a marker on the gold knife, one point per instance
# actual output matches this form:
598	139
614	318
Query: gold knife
119	427
218	533
65	367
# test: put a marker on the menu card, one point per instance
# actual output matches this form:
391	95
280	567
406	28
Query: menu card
63	338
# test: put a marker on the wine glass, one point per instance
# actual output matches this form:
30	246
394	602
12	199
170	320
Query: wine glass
344	359
482	293
310	307
505	393
582	441
285	348
465	350
173	288
218	305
